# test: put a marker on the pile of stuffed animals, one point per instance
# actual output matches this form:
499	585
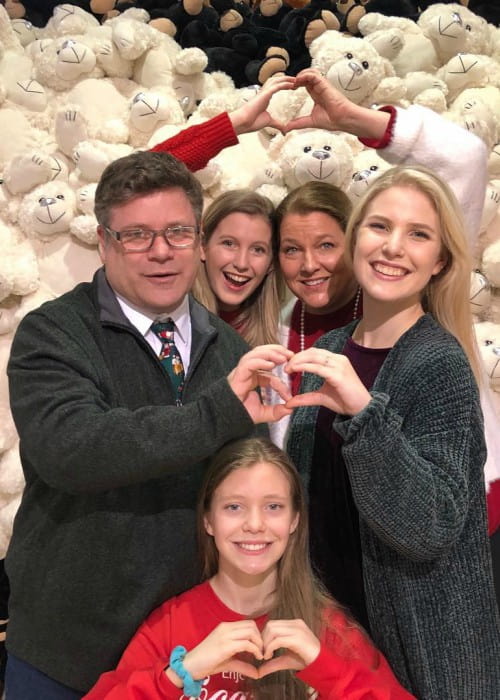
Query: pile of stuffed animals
84	83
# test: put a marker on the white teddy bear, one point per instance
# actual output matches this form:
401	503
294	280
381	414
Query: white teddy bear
367	166
301	156
354	67
69	19
47	210
488	340
416	54
454	29
19	274
480	294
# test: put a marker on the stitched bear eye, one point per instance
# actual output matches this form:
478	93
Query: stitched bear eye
60	196
365	65
374	168
488	342
348	55
327	148
307	149
468	27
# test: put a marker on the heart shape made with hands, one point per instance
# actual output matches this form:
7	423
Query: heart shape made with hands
289	645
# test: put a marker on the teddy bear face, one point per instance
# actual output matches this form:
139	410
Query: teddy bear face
351	65
150	109
315	155
65	61
47	210
453	29
24	30
488	340
480	293
368	165
70	19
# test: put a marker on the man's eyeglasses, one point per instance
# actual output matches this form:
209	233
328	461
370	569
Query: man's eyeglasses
140	239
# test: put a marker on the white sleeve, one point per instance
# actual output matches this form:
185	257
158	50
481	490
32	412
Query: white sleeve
460	158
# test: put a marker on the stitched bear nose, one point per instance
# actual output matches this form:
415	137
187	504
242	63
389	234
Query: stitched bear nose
361	175
320	155
46	201
496	351
355	67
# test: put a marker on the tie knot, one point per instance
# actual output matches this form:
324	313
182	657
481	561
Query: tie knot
163	329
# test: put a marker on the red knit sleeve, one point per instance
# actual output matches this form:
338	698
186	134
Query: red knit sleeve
387	137
197	144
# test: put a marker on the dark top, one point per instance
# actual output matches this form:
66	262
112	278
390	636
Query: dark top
333	516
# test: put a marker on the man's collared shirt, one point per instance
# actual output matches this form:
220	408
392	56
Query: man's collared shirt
180	316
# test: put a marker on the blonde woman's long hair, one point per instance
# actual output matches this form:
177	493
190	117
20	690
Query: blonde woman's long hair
298	594
259	315
447	294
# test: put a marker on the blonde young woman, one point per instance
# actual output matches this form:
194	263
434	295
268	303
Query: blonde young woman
388	434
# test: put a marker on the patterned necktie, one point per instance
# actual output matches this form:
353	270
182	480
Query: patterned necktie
169	355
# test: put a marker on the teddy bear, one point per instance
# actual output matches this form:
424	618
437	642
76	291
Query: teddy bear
69	19
490	264
480	294
454	29
47	210
466	70
367	166
416	54
25	31
19	274
298	157
488	340
84	225
354	67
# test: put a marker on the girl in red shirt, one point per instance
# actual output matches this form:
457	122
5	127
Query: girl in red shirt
260	626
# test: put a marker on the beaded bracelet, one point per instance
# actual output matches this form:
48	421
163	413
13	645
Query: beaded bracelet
192	688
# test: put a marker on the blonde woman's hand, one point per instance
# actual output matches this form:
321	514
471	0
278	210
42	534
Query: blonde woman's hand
342	390
299	644
253	371
218	652
253	115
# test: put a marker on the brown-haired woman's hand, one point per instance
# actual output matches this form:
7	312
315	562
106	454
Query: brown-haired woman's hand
253	115
342	390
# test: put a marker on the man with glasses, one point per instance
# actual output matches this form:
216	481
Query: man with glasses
121	390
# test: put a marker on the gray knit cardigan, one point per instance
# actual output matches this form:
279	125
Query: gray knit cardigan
415	460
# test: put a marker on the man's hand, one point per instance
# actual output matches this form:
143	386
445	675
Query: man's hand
253	371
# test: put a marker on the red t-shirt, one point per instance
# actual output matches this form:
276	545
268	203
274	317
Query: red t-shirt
348	665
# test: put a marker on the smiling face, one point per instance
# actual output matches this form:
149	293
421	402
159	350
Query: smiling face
251	518
398	247
154	281
238	256
311	258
